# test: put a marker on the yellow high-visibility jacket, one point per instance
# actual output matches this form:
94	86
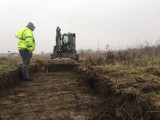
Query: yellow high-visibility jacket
26	39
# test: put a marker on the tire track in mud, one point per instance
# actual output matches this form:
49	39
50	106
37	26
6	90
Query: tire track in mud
51	96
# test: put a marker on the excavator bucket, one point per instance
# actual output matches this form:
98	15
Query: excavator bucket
60	64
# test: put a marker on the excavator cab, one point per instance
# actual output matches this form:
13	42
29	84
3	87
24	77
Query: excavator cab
68	43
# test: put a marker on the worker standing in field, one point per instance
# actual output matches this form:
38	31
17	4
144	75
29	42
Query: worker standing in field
26	45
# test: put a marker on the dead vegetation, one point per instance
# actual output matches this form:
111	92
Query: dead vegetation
129	78
8	64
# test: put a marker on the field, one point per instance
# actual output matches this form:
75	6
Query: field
105	85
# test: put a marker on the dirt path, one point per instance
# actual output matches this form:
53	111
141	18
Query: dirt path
51	96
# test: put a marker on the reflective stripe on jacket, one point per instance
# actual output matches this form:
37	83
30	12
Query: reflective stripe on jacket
26	39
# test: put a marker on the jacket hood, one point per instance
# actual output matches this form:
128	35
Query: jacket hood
31	26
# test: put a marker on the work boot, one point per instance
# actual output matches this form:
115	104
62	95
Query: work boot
28	79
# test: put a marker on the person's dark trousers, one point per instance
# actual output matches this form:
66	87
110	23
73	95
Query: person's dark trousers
26	57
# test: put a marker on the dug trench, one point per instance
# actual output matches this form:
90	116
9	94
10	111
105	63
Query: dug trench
78	94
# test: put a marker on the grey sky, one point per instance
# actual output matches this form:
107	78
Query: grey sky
119	23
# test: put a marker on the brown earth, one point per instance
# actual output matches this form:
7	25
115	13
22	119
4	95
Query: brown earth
51	96
66	96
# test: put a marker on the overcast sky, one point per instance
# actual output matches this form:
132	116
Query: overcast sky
119	23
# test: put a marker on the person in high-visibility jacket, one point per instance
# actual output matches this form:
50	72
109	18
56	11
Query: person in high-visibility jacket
26	45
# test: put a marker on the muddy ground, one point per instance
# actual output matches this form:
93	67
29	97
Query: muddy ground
51	96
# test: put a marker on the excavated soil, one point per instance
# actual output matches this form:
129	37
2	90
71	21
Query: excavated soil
51	96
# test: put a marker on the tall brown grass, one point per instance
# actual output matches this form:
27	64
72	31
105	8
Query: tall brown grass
130	56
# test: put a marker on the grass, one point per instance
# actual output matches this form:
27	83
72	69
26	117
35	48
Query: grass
9	63
133	75
133	68
153	95
7	67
